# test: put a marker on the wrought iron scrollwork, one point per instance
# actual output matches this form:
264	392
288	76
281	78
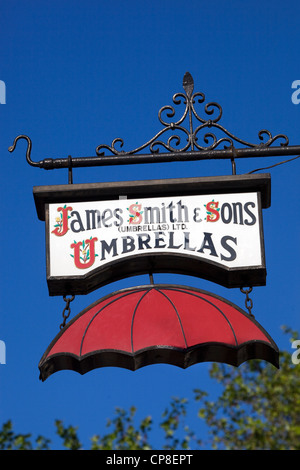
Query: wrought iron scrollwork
201	139
213	112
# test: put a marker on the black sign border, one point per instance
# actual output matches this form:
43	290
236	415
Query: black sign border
156	262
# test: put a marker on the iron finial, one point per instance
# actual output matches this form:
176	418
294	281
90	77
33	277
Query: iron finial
188	84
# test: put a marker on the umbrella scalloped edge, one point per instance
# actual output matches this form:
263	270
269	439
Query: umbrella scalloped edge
183	357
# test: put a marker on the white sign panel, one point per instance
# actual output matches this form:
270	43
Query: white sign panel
222	228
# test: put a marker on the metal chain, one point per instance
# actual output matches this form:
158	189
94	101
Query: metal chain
248	301
66	310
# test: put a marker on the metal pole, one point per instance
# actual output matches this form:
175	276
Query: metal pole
111	160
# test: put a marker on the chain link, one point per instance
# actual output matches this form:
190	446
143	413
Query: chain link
248	301
67	310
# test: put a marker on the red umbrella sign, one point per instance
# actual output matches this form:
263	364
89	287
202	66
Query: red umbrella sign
152	324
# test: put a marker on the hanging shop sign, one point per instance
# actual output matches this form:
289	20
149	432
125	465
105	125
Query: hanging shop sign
206	227
209	227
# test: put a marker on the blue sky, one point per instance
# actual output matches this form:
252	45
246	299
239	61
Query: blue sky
79	74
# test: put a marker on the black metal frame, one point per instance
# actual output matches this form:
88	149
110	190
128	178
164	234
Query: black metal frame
190	151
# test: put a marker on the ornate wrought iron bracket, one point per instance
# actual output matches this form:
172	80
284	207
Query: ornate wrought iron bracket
174	150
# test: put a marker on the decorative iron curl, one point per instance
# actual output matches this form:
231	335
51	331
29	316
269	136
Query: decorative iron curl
46	163
28	150
231	139
213	110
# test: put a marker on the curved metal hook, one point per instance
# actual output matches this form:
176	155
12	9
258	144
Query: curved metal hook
28	151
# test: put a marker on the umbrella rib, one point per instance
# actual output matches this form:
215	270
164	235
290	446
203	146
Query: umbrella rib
133	316
179	319
146	291
213	305
97	313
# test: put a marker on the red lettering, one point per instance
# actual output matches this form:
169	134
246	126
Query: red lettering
62	221
135	216
84	253
212	211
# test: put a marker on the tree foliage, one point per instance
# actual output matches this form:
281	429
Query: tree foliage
258	408
11	441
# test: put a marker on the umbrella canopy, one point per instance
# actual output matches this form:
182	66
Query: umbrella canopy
152	324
